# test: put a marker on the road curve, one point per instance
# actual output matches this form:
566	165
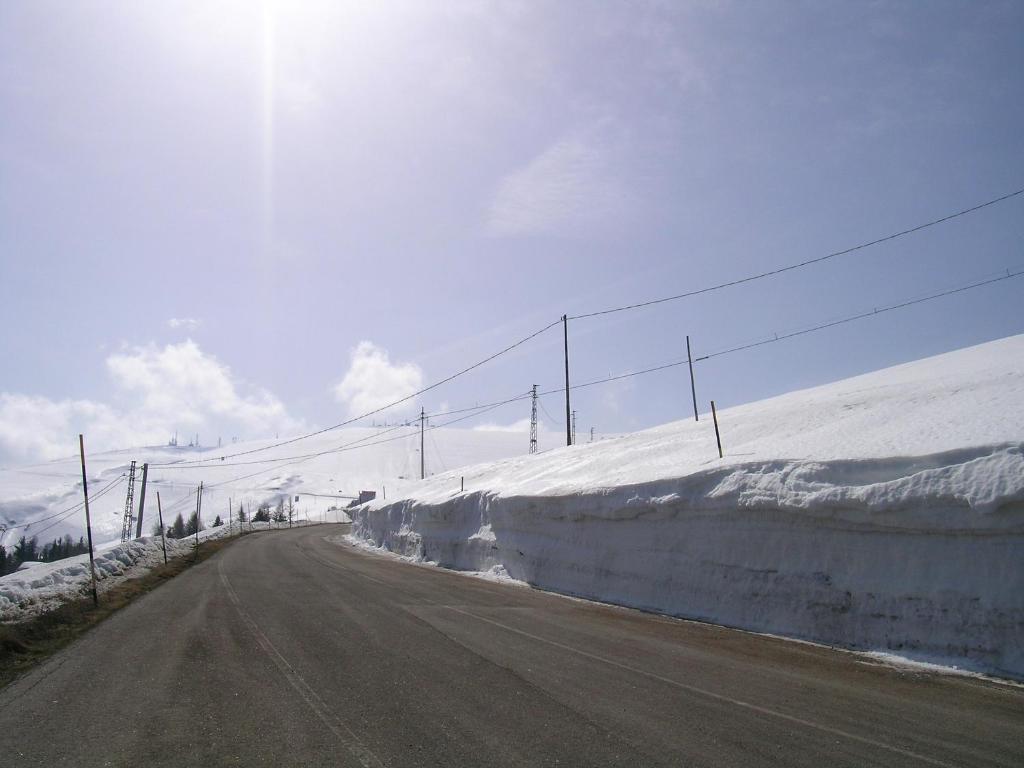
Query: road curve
288	648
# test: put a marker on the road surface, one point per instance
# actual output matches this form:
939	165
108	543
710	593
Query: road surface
289	649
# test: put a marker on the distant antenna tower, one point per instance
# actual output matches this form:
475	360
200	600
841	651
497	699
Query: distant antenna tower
126	527
533	422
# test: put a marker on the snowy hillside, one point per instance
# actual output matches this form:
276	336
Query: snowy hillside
883	512
379	459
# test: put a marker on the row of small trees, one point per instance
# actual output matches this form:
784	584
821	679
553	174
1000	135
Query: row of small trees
182	528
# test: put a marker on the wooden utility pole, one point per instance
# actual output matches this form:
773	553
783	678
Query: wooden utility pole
423	463
199	512
163	535
142	501
88	522
693	386
568	416
718	437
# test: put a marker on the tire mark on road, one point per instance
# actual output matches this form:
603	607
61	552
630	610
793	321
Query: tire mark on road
344	734
709	694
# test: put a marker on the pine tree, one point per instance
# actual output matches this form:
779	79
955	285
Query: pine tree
241	513
218	522
177	530
26	550
279	515
262	514
193	524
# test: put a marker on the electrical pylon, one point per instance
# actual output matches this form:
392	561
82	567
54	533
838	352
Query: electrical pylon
126	527
533	422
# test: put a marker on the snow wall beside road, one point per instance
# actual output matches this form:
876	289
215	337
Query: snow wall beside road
901	563
881	512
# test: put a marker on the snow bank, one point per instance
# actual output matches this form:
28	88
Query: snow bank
27	593
883	512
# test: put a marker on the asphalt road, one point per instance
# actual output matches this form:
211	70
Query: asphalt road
288	649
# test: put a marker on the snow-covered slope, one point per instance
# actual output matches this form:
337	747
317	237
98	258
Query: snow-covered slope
885	511
380	459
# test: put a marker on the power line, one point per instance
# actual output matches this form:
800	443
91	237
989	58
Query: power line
451	412
481	410
877	311
313	455
354	419
477	409
70	510
302	459
799	265
541	402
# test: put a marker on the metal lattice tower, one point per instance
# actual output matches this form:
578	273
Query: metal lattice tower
126	527
533	422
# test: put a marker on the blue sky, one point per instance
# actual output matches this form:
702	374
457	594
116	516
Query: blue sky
213	214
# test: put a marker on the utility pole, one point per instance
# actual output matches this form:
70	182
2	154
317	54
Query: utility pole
199	512
693	386
88	523
126	524
163	535
533	422
423	463
718	436
142	500
591	434
574	427
565	333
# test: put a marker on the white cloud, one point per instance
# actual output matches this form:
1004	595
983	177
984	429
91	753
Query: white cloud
373	381
37	428
188	323
179	383
176	387
568	189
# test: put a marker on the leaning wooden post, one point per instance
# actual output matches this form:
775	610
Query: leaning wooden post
160	514
88	522
462	484
142	500
718	436
199	509
693	386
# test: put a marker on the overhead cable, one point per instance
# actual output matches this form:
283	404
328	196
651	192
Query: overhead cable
801	264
